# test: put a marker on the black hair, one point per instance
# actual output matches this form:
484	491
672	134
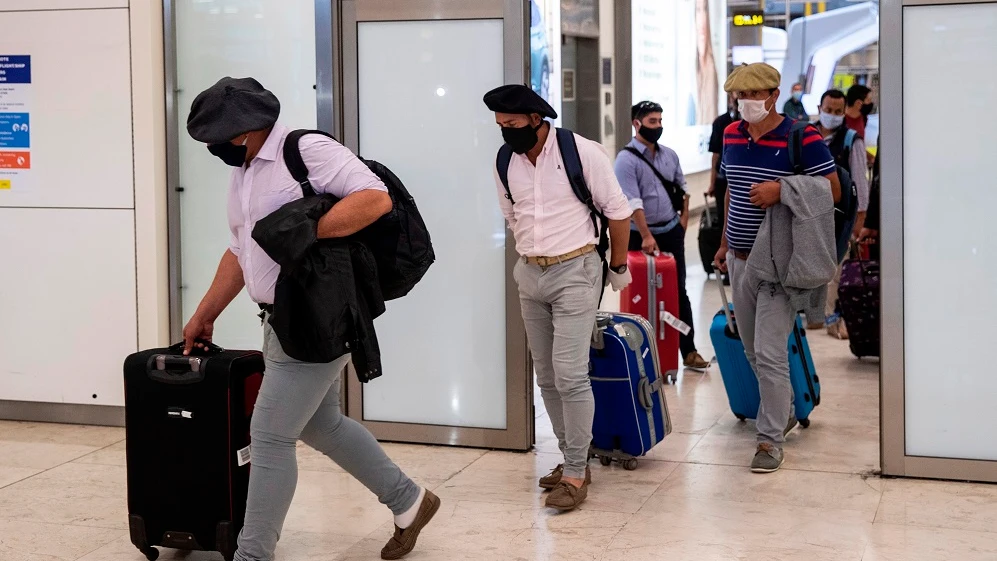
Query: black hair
833	94
643	109
857	92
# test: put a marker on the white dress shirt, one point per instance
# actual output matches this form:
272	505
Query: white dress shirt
265	185
548	219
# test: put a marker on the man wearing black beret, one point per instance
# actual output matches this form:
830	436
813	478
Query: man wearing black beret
237	119
560	275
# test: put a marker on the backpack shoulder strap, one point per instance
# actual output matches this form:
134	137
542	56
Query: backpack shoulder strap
796	147
573	168
850	135
502	162
294	162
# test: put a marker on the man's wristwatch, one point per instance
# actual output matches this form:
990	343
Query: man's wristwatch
619	270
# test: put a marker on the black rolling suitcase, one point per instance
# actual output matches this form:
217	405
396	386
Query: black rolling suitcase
711	231
187	428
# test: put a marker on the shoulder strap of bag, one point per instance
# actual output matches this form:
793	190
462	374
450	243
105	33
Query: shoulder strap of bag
294	162
502	167
670	185
796	147
576	175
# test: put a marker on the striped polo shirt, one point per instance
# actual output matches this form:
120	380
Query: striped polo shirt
746	162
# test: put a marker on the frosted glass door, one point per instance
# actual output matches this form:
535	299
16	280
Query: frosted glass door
950	258
421	114
274	42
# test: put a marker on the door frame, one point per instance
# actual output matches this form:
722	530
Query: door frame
519	431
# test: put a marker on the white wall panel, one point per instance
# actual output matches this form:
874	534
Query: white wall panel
68	304
18	5
80	107
949	254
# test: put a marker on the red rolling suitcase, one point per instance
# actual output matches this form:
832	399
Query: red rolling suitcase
654	294
187	424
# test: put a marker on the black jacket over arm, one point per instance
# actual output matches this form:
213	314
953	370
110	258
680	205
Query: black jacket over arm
327	293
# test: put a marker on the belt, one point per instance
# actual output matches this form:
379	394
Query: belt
548	261
742	255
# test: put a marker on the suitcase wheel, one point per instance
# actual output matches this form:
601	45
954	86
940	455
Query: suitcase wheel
741	418
151	553
605	460
630	464
805	423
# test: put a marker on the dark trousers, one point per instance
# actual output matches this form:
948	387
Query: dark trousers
673	242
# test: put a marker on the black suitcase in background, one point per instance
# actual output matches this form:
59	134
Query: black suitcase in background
187	428
711	231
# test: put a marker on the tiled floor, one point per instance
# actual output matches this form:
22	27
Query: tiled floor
62	491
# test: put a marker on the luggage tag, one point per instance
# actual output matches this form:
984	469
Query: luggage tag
242	456
679	325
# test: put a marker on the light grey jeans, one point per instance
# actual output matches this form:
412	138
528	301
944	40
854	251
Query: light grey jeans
300	400
559	304
764	322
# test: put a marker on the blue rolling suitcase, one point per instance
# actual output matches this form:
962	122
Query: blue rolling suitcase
739	379
631	415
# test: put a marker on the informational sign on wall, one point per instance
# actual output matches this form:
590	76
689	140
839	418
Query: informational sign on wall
15	122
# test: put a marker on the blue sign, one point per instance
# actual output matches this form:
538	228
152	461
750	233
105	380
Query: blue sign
14	130
15	69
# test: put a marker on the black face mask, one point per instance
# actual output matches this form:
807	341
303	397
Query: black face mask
650	135
867	109
229	153
521	139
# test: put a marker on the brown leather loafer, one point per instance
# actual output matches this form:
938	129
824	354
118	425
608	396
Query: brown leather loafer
567	497
403	542
551	480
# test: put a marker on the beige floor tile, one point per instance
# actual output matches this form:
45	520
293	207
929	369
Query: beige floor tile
426	465
939	504
40	455
889	542
11	475
54	433
293	546
678	528
75	494
786	487
21	540
675	447
334	503
113	455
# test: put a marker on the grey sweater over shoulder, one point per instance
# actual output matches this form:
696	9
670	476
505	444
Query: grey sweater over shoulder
795	246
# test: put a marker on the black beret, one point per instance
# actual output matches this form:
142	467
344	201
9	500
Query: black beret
231	107
518	100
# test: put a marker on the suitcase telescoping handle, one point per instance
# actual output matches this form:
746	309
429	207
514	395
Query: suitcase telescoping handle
726	304
707	215
210	348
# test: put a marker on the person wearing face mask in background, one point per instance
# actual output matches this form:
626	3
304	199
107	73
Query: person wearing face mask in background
755	161
560	272
793	108
858	107
237	119
848	150
657	224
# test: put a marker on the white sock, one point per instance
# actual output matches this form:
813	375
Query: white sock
405	519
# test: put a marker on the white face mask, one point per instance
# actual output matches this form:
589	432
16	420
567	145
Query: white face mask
830	121
753	111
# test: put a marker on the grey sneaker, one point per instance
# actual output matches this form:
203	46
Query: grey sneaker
768	459
790	426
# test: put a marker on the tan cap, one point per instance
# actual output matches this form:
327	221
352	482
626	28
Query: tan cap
753	77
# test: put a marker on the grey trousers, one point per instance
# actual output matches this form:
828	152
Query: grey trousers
764	321
559	305
300	400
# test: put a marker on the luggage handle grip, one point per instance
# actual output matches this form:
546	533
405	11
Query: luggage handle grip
210	348
726	306
706	210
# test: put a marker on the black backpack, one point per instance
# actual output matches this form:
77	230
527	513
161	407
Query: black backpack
399	240
846	208
573	169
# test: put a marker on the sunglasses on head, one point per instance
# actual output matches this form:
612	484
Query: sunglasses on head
645	107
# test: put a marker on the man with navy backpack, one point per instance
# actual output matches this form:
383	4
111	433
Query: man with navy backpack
299	400
848	149
559	195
